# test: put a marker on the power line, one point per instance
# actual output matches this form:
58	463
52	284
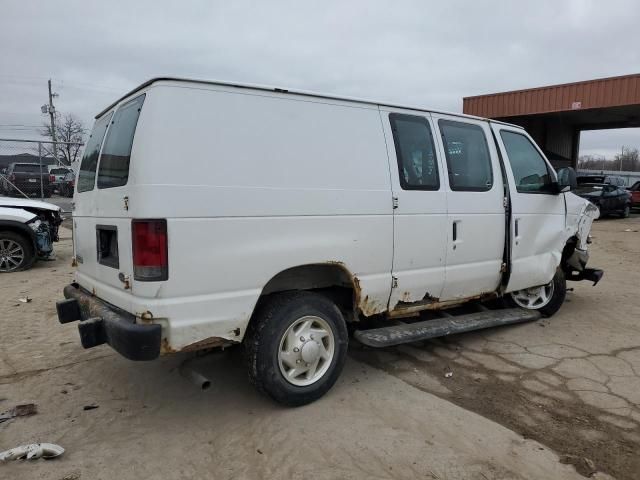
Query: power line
33	80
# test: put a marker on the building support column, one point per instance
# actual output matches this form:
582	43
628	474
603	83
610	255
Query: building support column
575	147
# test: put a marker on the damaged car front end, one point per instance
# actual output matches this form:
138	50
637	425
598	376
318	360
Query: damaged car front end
28	229
580	216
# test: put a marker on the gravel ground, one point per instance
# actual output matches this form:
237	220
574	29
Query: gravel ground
571	382
533	401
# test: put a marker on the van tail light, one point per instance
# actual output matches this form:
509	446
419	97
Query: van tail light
150	250
52	178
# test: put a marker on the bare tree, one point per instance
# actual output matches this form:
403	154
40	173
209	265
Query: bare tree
628	160
68	129
594	162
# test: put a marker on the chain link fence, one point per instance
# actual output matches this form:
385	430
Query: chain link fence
37	168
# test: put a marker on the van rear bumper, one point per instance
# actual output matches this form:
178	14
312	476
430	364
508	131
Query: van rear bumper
103	323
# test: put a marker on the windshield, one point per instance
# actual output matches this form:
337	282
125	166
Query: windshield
590	179
587	189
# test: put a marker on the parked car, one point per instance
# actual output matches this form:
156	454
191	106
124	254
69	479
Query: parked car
67	184
294	214
610	179
56	176
28	229
30	178
635	195
608	198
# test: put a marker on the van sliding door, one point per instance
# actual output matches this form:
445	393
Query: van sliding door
476	216
420	210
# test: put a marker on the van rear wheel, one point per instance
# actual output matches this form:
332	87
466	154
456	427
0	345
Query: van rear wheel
547	299
296	347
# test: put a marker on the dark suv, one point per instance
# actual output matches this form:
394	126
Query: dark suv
28	178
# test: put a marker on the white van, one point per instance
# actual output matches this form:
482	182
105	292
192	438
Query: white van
210	214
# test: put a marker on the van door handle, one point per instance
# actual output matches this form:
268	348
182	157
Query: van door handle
455	231
516	227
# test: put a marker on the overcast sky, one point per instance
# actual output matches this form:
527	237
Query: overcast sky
422	53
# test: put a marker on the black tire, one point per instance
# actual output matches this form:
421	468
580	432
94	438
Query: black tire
557	297
262	343
27	247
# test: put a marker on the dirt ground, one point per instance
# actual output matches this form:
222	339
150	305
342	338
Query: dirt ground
524	402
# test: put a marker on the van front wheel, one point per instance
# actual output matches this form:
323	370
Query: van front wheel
547	299
296	347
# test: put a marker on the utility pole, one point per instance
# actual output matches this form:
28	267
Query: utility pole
52	115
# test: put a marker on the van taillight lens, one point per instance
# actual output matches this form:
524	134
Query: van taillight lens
150	252
52	178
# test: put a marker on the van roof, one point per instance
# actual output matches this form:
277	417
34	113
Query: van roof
287	91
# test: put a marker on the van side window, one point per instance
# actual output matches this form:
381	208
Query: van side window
116	153
87	173
530	171
415	152
468	158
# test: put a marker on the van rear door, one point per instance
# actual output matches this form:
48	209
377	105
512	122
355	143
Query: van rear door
102	221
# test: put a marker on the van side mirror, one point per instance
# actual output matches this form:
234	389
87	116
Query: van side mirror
567	179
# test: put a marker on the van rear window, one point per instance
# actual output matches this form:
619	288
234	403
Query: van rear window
116	152
29	168
87	174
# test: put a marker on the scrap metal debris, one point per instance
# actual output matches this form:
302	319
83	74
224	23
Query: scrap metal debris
25	299
72	476
584	466
19	411
32	451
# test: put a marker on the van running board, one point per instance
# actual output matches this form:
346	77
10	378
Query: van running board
439	327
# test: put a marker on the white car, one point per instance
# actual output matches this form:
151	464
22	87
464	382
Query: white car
210	214
28	229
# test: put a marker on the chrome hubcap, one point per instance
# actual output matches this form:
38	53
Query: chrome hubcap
306	350
11	255
535	297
